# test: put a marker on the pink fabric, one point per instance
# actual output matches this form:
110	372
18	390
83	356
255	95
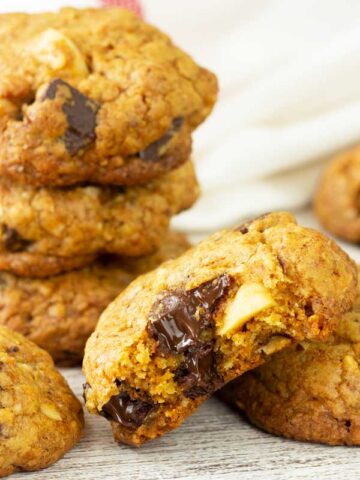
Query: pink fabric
132	5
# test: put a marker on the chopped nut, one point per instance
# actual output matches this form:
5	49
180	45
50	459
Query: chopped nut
57	310
350	363
250	299
7	108
240	405
59	53
275	344
50	411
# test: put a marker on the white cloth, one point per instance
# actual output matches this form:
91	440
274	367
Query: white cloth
289	73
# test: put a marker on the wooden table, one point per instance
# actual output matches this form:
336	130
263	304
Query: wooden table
215	443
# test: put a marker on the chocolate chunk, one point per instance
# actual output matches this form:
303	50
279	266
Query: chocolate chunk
127	412
309	311
180	316
242	228
197	374
80	113
152	153
12	349
13	241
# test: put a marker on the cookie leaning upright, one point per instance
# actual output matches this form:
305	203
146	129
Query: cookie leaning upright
95	95
40	417
310	392
177	334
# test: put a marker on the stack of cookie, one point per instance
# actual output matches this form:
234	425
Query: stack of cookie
96	114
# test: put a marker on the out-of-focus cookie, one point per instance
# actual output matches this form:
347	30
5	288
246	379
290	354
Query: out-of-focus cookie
40	417
24	264
59	313
95	96
84	221
310	392
337	200
177	334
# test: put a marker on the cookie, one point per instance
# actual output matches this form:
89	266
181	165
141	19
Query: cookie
177	334
59	313
310	392
25	264
89	220
336	201
95	96
40	417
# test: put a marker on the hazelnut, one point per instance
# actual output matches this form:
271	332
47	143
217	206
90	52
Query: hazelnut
50	411
55	50
250	299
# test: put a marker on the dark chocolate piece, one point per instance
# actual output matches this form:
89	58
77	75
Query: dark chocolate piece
179	317
80	113
13	241
197	374
12	349
152	152
125	411
242	228
309	311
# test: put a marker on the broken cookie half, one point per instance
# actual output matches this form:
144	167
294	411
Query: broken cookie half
179	333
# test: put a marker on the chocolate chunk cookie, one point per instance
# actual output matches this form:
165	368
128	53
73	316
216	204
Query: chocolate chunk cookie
59	313
177	334
95	96
42	230
309	392
337	201
40	417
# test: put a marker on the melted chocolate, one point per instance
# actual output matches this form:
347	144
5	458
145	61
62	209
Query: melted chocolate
125	411
13	241
181	316
197	374
152	153
80	112
179	320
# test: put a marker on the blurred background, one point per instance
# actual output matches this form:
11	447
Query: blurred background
289	76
